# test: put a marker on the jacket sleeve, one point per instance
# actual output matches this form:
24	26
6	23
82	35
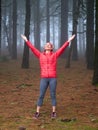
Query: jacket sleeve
61	49
33	49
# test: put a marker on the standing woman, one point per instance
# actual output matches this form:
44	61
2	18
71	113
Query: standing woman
48	63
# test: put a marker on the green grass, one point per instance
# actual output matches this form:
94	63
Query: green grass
58	125
44	124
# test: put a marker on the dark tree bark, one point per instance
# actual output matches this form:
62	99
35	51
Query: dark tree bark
14	44
47	22
25	61
73	46
64	23
76	12
37	25
8	27
90	34
95	75
0	26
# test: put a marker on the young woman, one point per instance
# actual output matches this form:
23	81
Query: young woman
48	63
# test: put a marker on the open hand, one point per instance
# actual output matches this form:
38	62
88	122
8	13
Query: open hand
71	38
24	37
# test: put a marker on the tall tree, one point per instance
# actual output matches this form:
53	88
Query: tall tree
47	22
25	61
95	75
64	22
0	26
10	30
76	12
7	25
73	46
90	34
37	24
14	44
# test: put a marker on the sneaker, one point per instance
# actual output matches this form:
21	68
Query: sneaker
53	115
36	115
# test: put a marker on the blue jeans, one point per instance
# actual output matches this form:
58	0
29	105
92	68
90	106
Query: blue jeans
44	83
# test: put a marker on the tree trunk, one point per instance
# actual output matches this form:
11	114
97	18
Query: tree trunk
47	22
0	26
14	44
90	34
95	75
25	61
73	46
76	11
37	25
64	23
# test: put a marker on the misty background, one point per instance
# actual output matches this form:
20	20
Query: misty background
49	20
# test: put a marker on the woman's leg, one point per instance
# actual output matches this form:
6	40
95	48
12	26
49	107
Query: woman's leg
43	88
52	86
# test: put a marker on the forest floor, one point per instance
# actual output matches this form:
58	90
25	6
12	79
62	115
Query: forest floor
77	98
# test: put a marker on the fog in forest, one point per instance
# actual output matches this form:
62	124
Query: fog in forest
53	25
48	21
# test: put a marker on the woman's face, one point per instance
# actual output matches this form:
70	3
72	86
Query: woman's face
48	46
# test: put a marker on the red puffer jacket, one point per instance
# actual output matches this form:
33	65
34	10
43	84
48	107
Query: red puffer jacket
48	62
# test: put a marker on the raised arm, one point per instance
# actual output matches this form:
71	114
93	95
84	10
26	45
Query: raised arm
71	38
62	48
33	49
